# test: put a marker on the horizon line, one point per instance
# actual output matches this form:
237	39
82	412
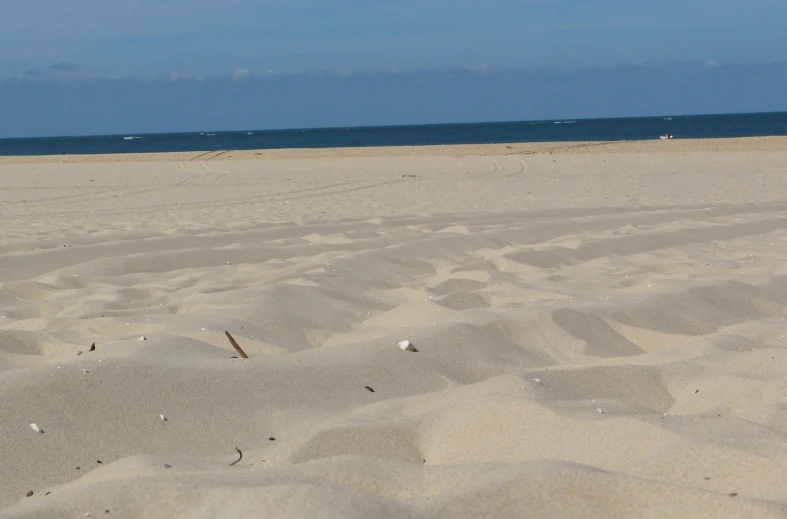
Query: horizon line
370	127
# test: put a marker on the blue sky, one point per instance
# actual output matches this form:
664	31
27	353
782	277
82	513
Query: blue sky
76	44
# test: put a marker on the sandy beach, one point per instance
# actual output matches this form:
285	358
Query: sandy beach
601	331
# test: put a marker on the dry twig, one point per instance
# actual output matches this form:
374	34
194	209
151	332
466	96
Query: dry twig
235	345
237	460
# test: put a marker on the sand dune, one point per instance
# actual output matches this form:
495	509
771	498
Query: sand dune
600	332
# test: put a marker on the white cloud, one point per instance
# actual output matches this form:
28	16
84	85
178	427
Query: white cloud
65	66
475	68
240	73
174	75
712	63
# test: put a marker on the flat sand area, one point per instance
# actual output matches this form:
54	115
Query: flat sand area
601	332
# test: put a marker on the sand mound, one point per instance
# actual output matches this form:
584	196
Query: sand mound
596	336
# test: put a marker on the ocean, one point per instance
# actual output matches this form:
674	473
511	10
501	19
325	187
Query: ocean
635	128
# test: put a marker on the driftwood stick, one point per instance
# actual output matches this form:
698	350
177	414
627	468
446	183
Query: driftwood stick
235	345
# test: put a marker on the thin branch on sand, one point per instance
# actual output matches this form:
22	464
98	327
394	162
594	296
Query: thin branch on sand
237	460
235	345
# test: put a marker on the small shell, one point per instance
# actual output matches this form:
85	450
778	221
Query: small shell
538	381
407	346
142	338
36	428
163	418
600	411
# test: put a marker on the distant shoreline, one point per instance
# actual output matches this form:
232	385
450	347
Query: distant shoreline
568	132
773	143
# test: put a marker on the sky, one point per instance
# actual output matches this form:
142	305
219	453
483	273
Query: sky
64	66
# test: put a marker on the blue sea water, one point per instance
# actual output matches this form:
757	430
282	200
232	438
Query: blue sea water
682	127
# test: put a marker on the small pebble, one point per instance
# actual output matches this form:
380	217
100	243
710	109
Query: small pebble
36	428
142	338
538	381
407	346
600	411
369	389
163	418
30	493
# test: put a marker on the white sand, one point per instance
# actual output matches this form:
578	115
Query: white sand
601	332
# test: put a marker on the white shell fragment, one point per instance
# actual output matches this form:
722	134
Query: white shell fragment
163	418
538	381
142	338
600	411
36	428
407	346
